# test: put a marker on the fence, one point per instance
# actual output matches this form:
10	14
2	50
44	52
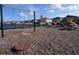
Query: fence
18	14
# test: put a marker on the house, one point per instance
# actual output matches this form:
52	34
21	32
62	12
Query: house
48	21
56	21
28	22
7	22
18	22
12	22
43	21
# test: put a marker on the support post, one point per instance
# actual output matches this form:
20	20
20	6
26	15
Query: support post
34	22
1	14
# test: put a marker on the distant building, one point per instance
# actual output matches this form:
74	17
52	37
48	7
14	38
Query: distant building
7	22
56	21
49	21
28	22
43	20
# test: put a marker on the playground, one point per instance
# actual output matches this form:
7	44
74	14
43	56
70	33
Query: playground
45	41
34	36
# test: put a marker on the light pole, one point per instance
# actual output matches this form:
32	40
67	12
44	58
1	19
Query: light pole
1	14
34	21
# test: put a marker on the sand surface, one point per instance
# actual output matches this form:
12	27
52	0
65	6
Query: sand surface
45	41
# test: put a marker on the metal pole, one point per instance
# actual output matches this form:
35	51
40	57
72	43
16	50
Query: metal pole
34	22
1	14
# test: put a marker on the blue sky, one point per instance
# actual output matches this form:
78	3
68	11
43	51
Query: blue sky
47	10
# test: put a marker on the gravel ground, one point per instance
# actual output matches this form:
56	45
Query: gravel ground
45	41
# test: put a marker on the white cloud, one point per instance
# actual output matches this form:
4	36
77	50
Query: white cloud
60	15
59	6
72	8
52	8
65	14
56	6
31	13
22	14
64	8
32	8
51	11
57	9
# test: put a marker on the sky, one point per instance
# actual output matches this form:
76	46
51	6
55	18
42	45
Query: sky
47	10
